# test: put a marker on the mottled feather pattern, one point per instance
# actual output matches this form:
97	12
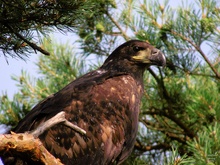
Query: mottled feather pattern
105	103
100	113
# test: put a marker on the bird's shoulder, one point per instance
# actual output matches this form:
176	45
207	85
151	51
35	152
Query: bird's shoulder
76	92
56	102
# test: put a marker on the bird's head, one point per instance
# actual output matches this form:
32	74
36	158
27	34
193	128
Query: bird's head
135	52
147	54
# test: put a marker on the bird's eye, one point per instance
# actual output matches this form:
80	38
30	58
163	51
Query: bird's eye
137	48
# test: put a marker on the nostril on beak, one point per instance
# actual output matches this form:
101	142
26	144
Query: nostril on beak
157	57
155	51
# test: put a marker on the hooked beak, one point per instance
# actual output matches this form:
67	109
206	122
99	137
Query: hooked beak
157	57
151	56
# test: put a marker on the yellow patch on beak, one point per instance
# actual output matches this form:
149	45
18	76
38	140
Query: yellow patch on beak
143	56
150	56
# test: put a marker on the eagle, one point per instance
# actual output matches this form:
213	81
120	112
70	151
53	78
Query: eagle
104	102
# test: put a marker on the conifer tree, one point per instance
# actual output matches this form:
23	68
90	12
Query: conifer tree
24	23
180	112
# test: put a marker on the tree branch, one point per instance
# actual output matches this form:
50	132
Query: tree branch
181	124
139	146
181	136
118	26
32	45
160	85
170	113
199	50
28	142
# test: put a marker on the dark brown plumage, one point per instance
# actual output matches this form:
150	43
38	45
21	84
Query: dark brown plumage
105	103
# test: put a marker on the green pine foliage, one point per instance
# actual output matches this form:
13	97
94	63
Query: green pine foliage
180	110
55	72
206	147
24	23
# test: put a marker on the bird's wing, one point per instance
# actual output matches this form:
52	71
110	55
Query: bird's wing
56	103
87	103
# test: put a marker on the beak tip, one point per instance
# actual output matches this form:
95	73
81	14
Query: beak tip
163	60
159	59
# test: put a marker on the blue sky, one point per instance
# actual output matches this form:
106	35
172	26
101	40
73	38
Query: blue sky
14	66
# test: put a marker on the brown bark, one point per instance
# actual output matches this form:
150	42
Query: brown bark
25	143
28	143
